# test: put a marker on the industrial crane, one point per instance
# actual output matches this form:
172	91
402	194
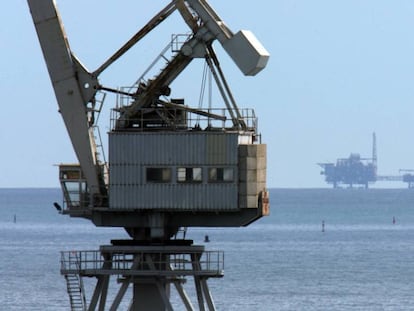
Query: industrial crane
165	171
76	89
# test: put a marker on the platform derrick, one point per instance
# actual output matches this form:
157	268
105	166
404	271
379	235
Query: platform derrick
170	165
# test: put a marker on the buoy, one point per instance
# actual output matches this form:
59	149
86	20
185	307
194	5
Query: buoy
206	239
323	225
393	220
14	218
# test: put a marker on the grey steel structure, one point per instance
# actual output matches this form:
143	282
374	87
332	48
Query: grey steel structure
170	166
357	171
353	170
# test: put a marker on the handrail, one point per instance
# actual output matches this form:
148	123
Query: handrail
167	263
190	119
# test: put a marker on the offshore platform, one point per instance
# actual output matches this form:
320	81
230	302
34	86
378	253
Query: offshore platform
171	165
361	172
352	171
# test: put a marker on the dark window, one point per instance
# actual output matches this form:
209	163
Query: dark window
221	174
158	174
189	174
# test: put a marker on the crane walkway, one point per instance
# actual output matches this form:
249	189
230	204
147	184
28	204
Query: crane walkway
134	265
170	261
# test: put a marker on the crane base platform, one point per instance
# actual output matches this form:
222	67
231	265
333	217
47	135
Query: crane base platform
149	270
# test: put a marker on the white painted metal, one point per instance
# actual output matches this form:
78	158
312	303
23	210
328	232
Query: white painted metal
69	93
244	48
247	52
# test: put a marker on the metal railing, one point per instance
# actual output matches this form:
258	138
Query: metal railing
198	119
207	263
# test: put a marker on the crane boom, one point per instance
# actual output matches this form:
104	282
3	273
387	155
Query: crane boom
73	87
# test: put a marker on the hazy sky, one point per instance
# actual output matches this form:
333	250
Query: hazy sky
339	70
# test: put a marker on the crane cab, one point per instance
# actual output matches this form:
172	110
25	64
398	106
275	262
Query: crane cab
195	167
200	165
74	187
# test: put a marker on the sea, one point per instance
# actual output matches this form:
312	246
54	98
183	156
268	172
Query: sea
320	249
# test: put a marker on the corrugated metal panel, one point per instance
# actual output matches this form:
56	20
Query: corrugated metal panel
125	174
174	148
202	197
131	153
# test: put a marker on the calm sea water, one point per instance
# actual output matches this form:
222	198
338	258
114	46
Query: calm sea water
363	261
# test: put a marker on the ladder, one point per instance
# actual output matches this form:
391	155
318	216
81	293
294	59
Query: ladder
76	292
74	285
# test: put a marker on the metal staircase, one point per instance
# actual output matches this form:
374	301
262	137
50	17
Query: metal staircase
76	292
75	287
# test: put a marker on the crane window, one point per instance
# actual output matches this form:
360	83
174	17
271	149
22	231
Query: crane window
189	174
158	174
221	174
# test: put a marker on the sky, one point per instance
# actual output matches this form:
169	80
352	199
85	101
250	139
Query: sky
338	71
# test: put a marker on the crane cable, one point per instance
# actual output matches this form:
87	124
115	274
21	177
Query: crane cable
202	91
